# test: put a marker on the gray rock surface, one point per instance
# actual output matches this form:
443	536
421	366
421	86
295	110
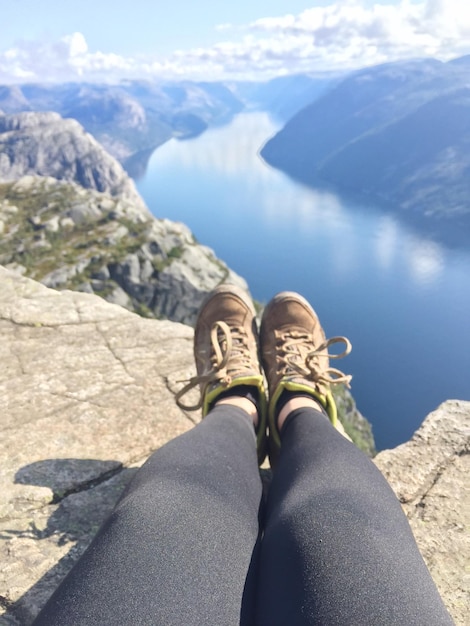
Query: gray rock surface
45	144
88	391
69	237
430	474
86	398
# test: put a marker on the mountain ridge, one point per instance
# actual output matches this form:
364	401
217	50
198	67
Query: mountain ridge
45	144
395	135
130	119
71	217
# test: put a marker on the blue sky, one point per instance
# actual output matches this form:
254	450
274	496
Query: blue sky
52	40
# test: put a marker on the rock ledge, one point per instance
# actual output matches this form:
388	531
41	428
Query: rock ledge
89	390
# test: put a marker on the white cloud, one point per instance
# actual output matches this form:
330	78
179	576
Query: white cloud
352	34
76	44
426	261
69	59
343	35
386	241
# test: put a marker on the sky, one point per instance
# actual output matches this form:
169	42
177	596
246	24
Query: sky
111	40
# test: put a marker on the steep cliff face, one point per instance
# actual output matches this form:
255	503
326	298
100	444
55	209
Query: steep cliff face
396	135
88	394
69	237
71	217
44	144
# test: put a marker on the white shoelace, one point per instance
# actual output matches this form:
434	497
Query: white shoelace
296	358
230	357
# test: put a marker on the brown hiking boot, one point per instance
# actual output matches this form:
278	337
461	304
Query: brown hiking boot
226	353
295	357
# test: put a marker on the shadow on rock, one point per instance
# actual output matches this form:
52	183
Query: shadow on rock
66	476
84	494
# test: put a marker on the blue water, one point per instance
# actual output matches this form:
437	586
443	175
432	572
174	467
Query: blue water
402	299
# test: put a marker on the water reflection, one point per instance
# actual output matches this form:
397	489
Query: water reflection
388	287
225	164
231	154
236	155
386	241
308	208
426	261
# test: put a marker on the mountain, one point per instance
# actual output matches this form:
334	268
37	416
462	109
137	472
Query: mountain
420	162
71	217
396	135
44	144
133	118
69	237
13	99
284	96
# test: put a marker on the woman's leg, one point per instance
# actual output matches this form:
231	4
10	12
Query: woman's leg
179	545
337	547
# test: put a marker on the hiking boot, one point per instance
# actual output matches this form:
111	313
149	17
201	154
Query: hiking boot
226	355
294	352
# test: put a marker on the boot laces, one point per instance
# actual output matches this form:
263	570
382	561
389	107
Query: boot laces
230	357
295	357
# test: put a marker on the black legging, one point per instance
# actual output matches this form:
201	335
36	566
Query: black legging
183	546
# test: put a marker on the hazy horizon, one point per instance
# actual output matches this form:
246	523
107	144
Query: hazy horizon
257	41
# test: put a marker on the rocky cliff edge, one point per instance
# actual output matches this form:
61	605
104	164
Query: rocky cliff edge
45	144
69	237
88	393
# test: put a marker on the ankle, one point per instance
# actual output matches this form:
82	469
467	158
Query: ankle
297	402
247	405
